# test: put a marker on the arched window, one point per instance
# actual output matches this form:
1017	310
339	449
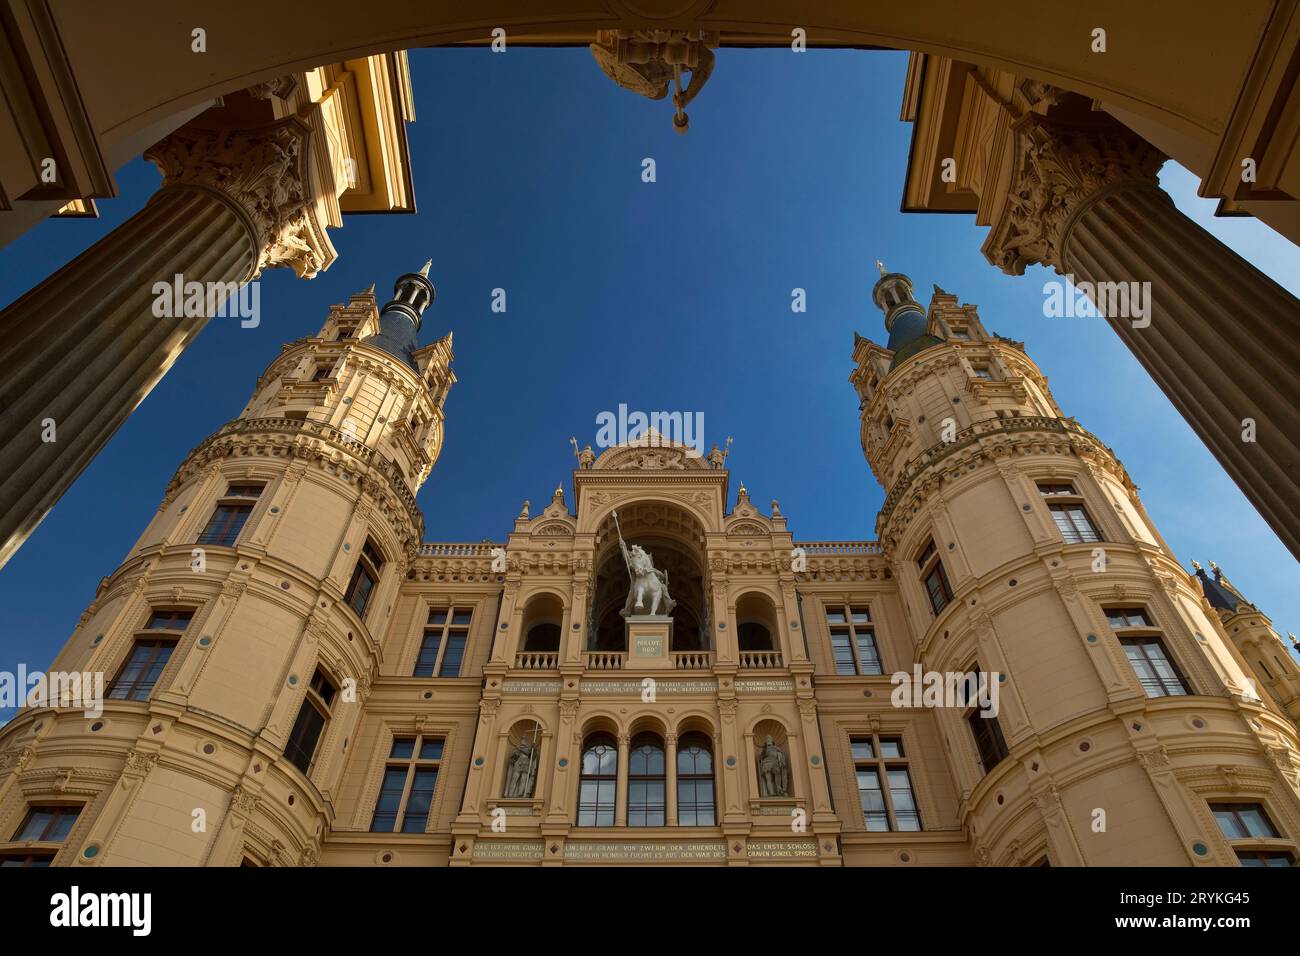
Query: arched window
695	782
756	622
754	636
599	782
543	637
646	782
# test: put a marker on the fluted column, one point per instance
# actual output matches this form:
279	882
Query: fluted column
670	780
620	788
85	347
1222	340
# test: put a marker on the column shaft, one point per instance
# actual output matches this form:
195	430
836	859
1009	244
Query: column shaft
84	347
620	795
670	780
1223	341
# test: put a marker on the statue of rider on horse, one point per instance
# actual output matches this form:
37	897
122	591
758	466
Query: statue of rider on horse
647	580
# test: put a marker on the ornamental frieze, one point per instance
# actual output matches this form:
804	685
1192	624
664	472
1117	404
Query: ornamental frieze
633	687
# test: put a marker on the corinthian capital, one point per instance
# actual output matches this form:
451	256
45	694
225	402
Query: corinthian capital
1056	171
264	172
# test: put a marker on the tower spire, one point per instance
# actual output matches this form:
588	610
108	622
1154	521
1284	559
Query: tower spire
399	319
905	319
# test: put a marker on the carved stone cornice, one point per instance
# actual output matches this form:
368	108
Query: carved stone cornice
997	441
1057	170
264	174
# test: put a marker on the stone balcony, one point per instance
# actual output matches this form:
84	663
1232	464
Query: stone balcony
761	660
537	660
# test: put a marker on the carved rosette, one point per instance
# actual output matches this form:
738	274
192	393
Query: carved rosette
264	173
1056	170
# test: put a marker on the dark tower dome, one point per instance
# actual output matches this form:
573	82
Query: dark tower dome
399	319
905	319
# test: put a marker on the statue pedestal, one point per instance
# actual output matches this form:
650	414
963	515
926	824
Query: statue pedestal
649	640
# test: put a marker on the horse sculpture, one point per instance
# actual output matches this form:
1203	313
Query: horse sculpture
646	580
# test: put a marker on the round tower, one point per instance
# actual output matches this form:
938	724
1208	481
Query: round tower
240	636
1079	660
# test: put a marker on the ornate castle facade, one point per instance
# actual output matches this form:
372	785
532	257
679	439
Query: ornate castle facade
296	678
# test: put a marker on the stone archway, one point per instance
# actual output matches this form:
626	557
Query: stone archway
675	539
138	77
100	85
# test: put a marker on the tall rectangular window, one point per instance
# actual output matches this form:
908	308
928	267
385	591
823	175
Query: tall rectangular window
232	511
884	783
442	650
149	654
935	578
1246	826
1146	652
410	778
313	715
1071	517
139	675
47	824
853	640
985	729
42	825
365	576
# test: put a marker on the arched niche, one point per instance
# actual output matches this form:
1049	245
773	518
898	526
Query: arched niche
523	760
771	750
675	538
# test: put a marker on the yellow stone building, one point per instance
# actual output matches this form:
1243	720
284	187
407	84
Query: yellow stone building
296	678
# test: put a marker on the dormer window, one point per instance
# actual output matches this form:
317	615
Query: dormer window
959	333
982	371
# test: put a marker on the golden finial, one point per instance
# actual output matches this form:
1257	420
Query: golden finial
1196	565
1214	567
881	266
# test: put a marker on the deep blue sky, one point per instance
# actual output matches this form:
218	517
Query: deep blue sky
667	296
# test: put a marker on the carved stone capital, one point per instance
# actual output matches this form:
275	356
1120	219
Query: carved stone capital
1057	169
18	758
140	763
242	801
264	173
